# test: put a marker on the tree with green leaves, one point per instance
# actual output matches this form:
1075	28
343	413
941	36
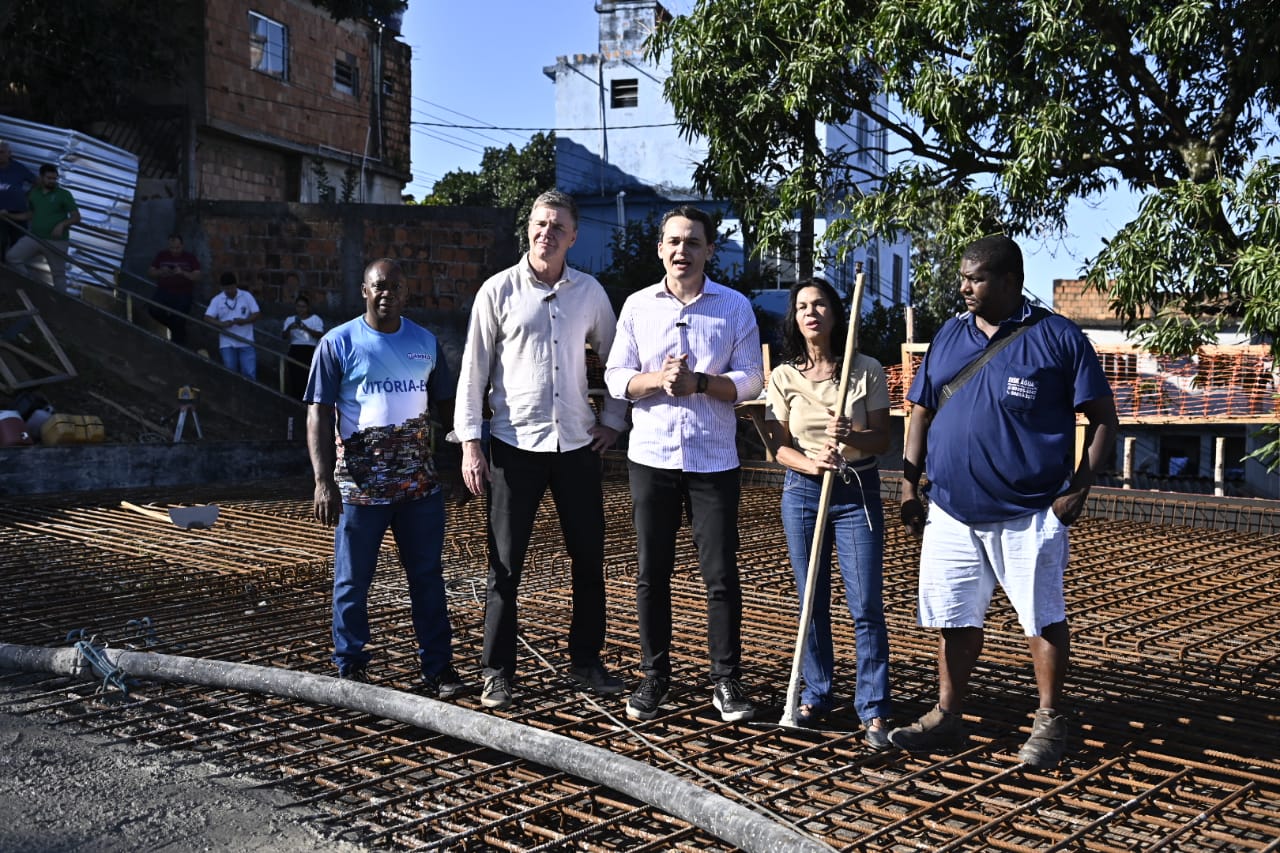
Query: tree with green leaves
1008	112
507	177
77	61
754	78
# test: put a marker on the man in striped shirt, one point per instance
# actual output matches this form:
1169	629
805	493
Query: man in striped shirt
687	350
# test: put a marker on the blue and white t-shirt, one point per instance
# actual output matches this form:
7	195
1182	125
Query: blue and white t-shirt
380	385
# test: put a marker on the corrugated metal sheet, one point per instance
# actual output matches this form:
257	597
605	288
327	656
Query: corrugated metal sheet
101	177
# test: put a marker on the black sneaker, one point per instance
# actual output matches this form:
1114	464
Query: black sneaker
497	692
1048	741
936	731
651	693
731	701
354	673
594	678
445	684
877	736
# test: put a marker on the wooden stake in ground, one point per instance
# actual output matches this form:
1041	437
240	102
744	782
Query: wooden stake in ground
824	507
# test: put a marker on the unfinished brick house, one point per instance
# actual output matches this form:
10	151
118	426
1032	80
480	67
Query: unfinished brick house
278	103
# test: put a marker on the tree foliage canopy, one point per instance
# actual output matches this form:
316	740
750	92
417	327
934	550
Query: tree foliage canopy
754	77
72	62
1004	113
507	177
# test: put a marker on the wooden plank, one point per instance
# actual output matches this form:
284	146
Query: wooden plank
13	372
128	413
147	511
49	337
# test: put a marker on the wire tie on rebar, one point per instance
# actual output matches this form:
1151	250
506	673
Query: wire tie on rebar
112	676
143	629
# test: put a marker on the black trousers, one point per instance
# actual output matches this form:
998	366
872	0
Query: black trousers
520	479
10	233
295	378
176	318
659	497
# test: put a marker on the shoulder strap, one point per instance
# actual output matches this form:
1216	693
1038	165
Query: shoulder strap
971	369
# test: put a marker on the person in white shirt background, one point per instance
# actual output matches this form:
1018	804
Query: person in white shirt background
303	329
234	311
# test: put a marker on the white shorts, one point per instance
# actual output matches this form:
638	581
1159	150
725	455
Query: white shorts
960	564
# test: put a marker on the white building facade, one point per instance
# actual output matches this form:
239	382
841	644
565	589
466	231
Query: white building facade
620	154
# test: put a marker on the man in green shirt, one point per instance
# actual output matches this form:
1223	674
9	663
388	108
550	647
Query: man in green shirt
53	212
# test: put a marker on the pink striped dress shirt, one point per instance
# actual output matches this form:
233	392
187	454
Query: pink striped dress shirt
717	330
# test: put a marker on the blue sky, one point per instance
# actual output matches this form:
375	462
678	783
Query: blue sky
480	63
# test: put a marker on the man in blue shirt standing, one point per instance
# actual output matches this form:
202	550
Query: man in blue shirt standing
15	178
1003	485
373	470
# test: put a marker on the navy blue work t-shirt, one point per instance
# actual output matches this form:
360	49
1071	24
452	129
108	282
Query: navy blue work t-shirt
1003	446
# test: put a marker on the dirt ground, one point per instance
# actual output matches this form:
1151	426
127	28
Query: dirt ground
64	790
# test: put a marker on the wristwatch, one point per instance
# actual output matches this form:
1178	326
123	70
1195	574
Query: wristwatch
701	387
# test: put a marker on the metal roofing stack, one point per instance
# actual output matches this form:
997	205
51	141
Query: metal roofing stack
101	177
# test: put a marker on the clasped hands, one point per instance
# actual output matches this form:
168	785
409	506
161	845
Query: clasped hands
677	379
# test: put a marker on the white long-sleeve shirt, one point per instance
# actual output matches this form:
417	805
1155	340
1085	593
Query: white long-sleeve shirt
526	349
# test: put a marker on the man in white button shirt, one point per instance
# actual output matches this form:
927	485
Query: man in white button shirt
526	356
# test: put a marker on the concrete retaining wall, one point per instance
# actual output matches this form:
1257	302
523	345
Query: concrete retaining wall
88	468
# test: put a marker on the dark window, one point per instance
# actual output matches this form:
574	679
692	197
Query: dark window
346	75
388	85
1180	455
624	93
268	46
897	279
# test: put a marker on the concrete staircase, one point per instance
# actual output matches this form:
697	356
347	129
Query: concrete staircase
139	370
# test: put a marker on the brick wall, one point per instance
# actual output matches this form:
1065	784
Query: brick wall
277	249
305	109
1087	307
396	105
234	171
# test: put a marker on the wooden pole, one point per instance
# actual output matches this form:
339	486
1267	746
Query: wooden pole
1129	443
1220	465
824	507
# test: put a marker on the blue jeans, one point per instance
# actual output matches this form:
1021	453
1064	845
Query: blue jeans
243	360
856	522
418	527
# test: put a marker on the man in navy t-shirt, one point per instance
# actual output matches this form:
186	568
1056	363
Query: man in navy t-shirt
1003	486
379	372
15	180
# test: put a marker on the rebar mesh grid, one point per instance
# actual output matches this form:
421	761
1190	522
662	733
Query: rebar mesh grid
1175	684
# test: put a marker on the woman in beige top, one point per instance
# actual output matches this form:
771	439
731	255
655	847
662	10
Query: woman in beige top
809	437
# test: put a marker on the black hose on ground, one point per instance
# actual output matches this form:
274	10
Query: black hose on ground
710	812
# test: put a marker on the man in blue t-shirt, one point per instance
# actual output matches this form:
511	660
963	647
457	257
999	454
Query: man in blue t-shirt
373	470
15	179
1003	485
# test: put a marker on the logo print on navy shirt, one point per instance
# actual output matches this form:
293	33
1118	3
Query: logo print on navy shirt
1022	388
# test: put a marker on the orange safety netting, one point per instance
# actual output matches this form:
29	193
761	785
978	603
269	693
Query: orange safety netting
1218	383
